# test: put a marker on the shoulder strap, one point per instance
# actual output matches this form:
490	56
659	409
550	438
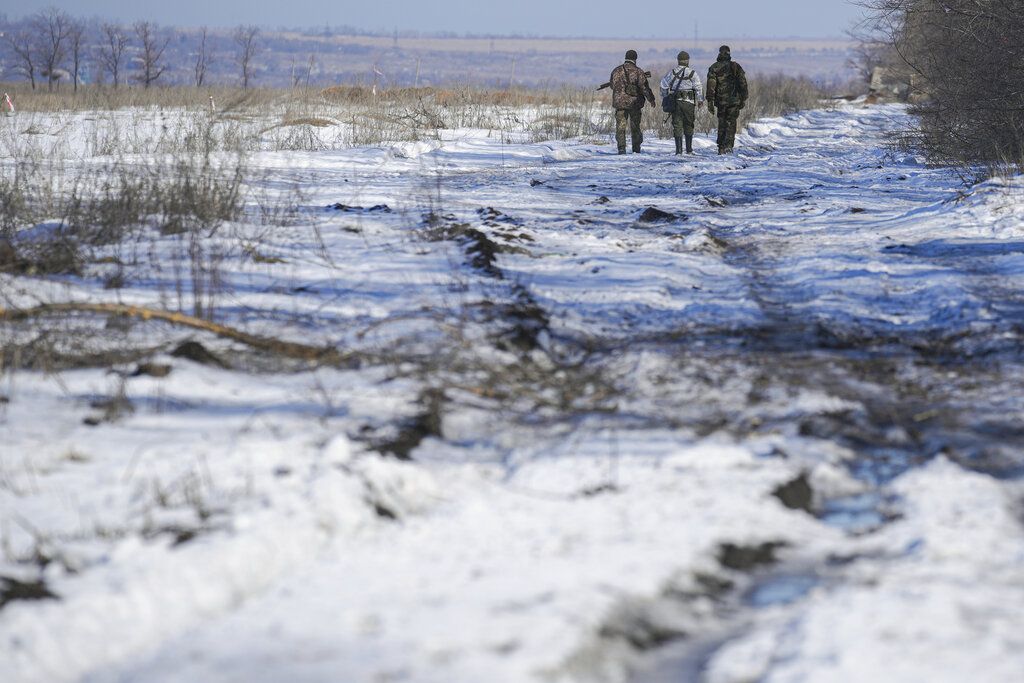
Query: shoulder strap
679	79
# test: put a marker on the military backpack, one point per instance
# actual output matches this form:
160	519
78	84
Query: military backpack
670	102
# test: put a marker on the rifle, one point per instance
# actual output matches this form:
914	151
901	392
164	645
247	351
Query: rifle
601	87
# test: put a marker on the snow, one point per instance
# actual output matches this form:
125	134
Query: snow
241	526
909	616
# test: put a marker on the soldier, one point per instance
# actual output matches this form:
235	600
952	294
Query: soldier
684	84
629	91
727	92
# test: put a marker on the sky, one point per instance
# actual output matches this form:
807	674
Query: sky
591	18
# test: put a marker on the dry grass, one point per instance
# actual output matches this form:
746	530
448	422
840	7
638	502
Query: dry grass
770	96
345	116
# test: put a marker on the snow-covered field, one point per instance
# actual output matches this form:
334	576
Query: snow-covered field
768	431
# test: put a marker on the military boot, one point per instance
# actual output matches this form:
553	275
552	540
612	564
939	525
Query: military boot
689	144
679	145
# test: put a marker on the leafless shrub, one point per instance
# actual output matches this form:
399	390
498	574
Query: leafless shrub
54	216
967	66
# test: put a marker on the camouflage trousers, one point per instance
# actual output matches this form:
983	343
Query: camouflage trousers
727	118
683	119
632	118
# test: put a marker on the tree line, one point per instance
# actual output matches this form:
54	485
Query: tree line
51	46
964	60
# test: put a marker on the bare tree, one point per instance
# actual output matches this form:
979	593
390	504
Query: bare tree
53	26
300	75
202	58
111	51
152	52
309	67
76	44
24	47
246	41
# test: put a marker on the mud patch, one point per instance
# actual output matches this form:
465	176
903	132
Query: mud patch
346	208
157	370
197	353
13	590
481	251
643	628
745	558
653	214
411	432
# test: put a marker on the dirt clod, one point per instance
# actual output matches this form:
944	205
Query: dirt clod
412	431
655	215
746	558
379	208
197	353
13	589
797	494
158	370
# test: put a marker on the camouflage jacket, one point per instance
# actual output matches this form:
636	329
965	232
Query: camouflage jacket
630	87
727	84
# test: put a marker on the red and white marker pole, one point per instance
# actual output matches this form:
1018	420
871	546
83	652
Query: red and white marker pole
8	105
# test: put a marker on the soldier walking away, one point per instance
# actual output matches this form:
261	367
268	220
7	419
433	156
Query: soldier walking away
727	92
630	90
682	85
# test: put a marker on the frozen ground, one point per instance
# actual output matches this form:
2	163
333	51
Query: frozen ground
770	433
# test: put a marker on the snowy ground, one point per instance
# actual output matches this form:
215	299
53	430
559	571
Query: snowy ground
772	433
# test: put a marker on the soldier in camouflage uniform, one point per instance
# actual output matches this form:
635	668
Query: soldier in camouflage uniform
684	85
630	90
727	92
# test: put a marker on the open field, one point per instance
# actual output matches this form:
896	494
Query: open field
423	390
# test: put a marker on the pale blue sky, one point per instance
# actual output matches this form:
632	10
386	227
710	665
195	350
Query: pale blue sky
598	18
